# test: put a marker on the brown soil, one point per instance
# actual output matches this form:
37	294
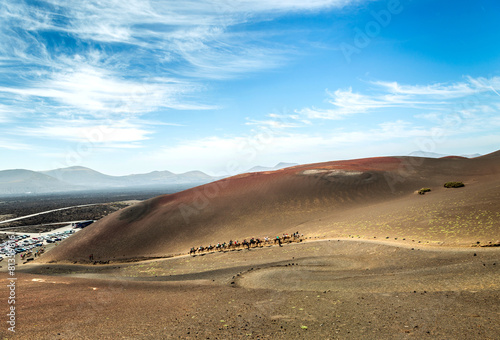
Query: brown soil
338	289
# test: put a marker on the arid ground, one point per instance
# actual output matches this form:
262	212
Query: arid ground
335	289
378	260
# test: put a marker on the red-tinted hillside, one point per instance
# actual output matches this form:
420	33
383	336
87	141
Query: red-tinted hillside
323	199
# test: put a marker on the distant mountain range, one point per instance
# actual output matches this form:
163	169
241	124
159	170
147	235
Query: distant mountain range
438	155
86	177
78	178
21	181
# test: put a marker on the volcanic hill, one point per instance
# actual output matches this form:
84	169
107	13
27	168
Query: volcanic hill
372	198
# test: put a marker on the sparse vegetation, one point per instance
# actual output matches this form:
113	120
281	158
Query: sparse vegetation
423	191
454	184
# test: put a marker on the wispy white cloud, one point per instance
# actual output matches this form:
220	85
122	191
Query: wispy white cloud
129	20
194	32
13	145
121	134
9	113
471	86
92	90
273	124
4	113
435	90
279	121
433	97
347	103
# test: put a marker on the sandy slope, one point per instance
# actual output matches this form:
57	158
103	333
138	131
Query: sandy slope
365	198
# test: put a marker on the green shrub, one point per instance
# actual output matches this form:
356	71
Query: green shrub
423	191
454	185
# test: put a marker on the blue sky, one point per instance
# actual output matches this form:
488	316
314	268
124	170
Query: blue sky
221	86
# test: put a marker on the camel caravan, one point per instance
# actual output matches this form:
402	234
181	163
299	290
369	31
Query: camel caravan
28	255
252	243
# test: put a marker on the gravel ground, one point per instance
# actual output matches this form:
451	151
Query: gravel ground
314	290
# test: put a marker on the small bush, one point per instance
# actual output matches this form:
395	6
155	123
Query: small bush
423	191
454	185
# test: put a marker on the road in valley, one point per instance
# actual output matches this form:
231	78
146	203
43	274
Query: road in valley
47	212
